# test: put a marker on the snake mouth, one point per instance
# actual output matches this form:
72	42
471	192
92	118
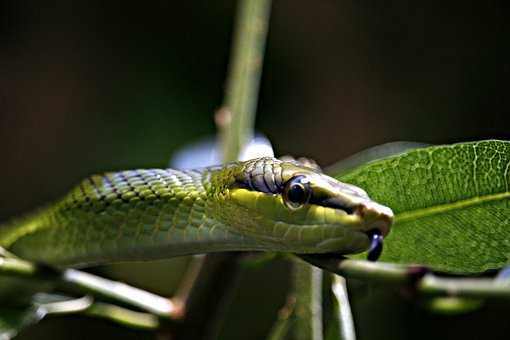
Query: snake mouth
375	217
378	220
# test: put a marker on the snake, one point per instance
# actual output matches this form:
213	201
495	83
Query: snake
263	204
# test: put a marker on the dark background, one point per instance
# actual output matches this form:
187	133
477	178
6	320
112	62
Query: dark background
94	86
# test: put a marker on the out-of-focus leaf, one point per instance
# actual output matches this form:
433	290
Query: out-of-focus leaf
451	204
372	154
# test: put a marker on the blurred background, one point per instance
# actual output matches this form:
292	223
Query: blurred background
94	86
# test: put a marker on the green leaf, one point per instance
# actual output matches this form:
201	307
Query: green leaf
451	205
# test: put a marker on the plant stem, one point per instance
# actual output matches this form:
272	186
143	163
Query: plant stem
285	320
122	316
307	291
17	267
463	287
235	120
210	295
364	270
421	281
120	292
65	305
237	115
342	309
92	284
301	317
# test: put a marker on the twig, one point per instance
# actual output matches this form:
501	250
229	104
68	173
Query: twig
343	314
364	270
88	283
65	305
51	304
284	321
236	117
17	267
301	317
122	316
308	294
182	297
235	123
120	292
211	293
463	287
416	277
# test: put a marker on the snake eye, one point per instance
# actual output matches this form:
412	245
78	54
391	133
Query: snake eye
296	192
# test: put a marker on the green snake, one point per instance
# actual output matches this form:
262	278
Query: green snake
263	204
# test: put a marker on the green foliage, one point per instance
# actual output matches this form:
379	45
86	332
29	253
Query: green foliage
451	205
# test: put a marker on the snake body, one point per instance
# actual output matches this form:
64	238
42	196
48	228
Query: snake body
261	204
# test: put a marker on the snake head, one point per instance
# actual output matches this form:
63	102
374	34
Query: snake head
299	209
330	193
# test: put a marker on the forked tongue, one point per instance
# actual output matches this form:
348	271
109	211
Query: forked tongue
376	245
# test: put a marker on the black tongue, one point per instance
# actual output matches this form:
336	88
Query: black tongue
376	245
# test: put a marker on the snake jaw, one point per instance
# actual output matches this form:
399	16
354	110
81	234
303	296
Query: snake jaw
378	219
376	216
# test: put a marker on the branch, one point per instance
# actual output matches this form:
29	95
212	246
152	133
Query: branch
418	278
302	316
365	270
19	268
343	315
54	304
120	292
123	316
434	285
205	307
91	284
307	291
212	291
284	321
236	117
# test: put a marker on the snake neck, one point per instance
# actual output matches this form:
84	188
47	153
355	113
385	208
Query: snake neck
129	215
